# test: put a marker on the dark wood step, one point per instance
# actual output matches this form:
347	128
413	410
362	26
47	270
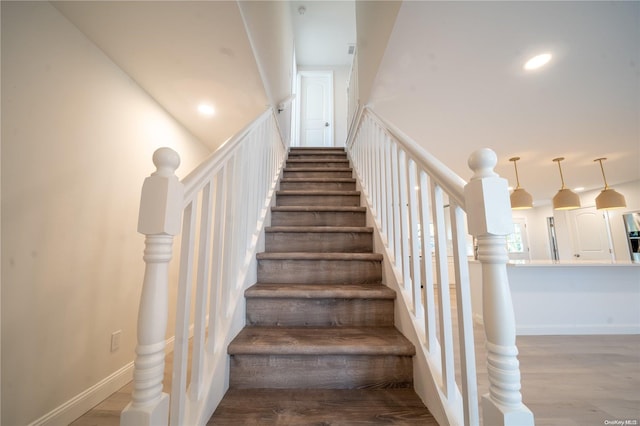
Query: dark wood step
317	198
316	305
318	216
326	184
314	163
306	172
320	341
317	150
319	268
321	407
319	239
321	357
318	155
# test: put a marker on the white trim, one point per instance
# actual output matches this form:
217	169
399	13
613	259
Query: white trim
570	330
86	400
94	395
577	330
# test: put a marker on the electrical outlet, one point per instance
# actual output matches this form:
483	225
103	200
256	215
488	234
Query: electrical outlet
115	340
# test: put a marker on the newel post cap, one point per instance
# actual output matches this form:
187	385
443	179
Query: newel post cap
487	197
162	196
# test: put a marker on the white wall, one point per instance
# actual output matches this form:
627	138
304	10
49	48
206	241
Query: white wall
77	140
270	30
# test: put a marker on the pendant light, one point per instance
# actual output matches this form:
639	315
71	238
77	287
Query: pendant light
609	198
520	199
565	199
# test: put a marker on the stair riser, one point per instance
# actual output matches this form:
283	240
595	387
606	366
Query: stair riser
317	200
318	186
319	271
320	312
296	149
318	218
293	173
344	242
321	372
319	156
319	164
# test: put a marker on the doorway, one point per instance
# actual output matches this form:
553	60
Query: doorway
590	234
315	105
518	241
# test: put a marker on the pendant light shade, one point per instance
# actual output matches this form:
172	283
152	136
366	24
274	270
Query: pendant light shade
609	198
565	199
520	199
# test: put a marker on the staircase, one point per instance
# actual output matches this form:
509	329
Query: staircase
320	346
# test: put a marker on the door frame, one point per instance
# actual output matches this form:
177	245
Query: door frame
572	231
298	125
521	222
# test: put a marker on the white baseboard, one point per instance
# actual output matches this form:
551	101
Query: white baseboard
89	398
86	400
576	330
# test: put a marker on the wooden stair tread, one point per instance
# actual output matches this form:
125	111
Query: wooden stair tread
304	291
319	341
318	169
316	148
318	209
318	179
323	229
316	192
318	256
304	407
316	160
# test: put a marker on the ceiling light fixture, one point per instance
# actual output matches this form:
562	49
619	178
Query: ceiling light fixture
565	199
537	61
206	110
609	198
520	199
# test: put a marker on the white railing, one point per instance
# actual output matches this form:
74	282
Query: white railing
222	205
409	192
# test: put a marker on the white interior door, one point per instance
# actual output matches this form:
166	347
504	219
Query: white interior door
316	109
589	234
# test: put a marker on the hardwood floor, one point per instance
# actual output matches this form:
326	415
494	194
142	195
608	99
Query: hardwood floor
567	381
323	407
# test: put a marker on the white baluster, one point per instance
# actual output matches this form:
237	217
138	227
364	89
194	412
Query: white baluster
489	219
159	220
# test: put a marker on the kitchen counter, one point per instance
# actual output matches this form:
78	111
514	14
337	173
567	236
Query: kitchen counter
572	263
581	297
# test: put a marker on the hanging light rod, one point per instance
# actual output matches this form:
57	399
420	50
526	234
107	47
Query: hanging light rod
520	199
609	198
565	199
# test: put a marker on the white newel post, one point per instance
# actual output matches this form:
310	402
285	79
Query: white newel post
159	221
489	220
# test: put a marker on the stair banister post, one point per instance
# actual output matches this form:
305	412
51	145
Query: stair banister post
489	220
159	220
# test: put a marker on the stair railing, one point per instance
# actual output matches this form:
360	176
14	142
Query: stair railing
222	205
408	192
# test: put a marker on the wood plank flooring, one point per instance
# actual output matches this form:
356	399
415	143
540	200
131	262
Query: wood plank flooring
323	407
566	380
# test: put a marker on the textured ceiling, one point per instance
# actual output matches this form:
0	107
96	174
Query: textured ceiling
182	54
451	75
452	79
323	32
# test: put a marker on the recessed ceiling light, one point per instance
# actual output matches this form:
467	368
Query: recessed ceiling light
537	61
579	188
206	109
